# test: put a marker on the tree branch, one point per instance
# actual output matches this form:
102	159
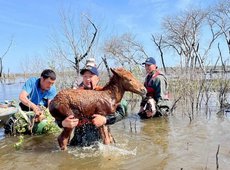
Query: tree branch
8	48
92	41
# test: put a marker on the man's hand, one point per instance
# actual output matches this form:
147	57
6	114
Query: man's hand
70	122
149	113
37	111
99	120
141	109
39	116
144	101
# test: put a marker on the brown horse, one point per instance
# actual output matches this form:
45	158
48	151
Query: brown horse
84	103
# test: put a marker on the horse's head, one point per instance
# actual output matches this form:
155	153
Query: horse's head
129	82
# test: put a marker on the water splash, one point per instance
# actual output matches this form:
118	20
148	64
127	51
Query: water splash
100	149
116	150
84	152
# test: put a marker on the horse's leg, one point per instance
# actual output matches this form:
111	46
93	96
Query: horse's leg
105	135
63	138
112	140
101	130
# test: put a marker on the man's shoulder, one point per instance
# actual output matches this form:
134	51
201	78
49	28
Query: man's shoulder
53	89
32	79
31	82
161	75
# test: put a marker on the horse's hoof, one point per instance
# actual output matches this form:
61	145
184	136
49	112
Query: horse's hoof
63	148
107	142
62	143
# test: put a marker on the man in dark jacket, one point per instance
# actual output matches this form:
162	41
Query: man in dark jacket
157	91
88	134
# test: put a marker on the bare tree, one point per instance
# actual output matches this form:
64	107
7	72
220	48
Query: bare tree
182	35
104	59
3	55
32	66
220	20
72	47
125	50
185	35
223	82
160	47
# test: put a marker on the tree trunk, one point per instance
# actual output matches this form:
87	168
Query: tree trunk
1	67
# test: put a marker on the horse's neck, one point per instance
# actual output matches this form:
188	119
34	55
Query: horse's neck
115	89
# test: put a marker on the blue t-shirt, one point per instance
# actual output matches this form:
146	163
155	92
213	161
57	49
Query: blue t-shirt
32	87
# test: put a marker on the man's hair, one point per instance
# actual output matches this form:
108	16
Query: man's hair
48	73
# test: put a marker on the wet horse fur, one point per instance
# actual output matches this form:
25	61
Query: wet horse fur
84	103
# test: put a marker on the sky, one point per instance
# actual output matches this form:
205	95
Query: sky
30	24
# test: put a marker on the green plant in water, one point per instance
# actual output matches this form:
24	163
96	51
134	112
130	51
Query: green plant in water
24	120
49	126
21	125
18	144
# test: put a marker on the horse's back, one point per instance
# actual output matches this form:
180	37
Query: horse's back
83	96
69	101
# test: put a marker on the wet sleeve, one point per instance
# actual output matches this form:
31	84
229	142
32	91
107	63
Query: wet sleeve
117	116
160	85
59	123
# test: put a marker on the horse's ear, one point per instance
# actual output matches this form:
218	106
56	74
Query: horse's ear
118	71
114	71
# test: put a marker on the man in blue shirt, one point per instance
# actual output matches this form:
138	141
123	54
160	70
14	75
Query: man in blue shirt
38	92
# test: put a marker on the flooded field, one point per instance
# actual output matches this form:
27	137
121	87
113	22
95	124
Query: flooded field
152	144
171	143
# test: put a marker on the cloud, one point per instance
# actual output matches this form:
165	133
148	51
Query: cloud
127	21
183	4
188	4
17	23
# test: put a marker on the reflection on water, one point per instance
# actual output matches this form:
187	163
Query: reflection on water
1	133
10	91
155	144
197	143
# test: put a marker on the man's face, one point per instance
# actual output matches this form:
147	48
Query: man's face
88	78
46	84
150	68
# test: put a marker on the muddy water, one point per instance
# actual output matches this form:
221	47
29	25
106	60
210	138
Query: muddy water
172	143
152	144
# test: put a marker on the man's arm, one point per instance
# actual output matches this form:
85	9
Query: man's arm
118	116
24	99
49	102
160	88
100	120
68	122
